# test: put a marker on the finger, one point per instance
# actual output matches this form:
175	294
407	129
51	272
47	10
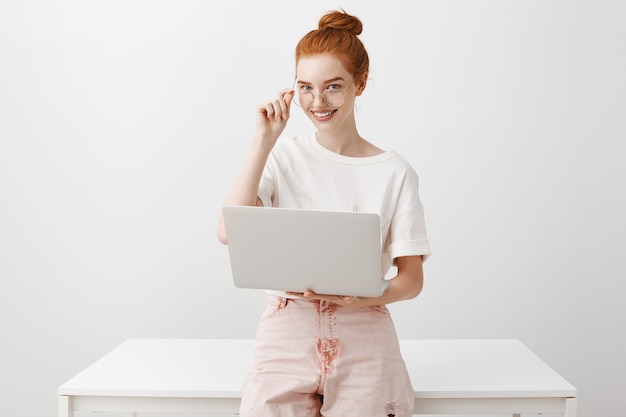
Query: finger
268	109
284	107
283	102
286	100
296	294
285	91
271	109
337	299
347	299
279	109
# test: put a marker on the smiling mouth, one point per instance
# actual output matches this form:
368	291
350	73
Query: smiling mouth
321	115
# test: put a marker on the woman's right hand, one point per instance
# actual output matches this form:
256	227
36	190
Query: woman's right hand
271	119
272	116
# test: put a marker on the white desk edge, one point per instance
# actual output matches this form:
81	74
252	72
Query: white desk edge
455	379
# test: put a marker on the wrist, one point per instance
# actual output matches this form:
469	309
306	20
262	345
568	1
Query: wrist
263	142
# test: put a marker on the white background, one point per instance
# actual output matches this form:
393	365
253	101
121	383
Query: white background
123	123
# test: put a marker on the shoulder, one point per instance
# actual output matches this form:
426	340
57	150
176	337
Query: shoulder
400	166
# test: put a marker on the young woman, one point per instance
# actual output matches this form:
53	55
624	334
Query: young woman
331	355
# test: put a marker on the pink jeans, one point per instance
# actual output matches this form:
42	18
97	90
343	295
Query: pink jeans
314	358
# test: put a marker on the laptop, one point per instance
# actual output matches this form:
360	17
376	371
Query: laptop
327	252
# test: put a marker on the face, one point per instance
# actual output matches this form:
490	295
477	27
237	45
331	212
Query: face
323	83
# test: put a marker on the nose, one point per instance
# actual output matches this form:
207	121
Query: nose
318	100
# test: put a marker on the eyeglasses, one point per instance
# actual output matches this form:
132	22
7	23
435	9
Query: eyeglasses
334	97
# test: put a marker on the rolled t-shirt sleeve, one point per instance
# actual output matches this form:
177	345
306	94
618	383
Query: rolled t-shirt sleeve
407	234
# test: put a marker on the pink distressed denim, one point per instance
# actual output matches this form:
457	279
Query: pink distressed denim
314	358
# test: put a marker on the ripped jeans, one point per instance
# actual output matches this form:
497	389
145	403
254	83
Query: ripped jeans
315	358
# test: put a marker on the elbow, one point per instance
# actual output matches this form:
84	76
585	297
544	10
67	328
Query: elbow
419	284
415	291
411	270
415	288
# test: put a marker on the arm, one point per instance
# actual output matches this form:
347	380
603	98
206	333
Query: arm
244	190
407	284
271	119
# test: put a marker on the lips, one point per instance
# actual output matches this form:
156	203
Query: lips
325	115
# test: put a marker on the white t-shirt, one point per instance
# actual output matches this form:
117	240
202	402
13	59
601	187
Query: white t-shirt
301	173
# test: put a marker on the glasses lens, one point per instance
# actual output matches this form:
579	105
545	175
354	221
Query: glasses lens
333	98
302	98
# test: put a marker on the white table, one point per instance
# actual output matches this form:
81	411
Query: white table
474	376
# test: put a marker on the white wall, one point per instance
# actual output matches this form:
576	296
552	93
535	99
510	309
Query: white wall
122	124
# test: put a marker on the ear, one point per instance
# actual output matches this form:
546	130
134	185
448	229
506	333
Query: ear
360	82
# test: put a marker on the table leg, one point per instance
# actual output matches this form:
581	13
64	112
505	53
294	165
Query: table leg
64	406
571	407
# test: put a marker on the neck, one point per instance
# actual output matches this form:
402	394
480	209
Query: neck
347	144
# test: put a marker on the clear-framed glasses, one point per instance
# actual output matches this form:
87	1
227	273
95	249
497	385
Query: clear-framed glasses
334	97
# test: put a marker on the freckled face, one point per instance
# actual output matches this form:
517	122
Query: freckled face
318	73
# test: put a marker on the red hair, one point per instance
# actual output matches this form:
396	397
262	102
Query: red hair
337	34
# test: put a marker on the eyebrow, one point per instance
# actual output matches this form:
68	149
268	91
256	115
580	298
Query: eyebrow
325	82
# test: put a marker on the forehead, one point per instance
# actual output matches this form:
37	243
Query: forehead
318	68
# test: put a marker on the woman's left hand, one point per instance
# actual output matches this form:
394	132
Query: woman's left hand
343	300
405	285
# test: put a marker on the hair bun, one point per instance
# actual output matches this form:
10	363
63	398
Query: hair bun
340	20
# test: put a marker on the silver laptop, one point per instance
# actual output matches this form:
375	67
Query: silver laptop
295	249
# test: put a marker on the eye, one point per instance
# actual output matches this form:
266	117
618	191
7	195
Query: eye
334	87
305	87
